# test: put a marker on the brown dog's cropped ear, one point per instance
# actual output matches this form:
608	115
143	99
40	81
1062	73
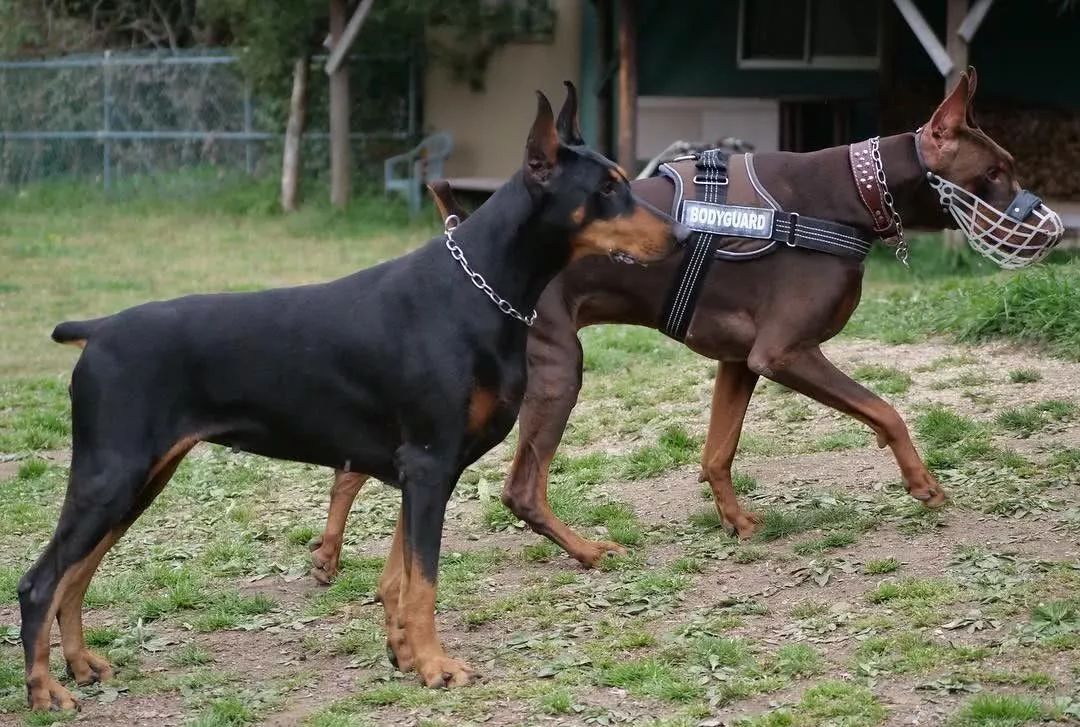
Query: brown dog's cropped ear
542	149
939	138
444	199
973	81
568	126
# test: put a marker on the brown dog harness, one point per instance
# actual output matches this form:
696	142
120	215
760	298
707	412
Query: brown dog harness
733	217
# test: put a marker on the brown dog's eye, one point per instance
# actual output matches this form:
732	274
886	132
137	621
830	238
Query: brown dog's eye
994	174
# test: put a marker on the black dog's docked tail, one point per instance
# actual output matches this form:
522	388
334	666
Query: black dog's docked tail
75	333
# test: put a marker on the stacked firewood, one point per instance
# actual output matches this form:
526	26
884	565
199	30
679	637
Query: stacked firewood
1046	145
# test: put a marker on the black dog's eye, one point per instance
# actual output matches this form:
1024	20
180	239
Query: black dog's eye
607	188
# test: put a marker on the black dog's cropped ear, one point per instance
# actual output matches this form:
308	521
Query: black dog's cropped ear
568	126
542	149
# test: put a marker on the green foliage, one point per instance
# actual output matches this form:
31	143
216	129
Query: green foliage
1025	376
884	380
675	448
998	710
881	566
1036	305
1027	420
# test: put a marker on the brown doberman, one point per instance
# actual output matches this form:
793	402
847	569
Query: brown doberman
765	316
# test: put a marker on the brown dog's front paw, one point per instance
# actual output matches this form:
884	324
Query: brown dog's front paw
47	694
398	651
593	552
442	671
742	524
927	490
87	668
325	557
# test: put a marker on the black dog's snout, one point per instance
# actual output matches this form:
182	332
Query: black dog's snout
681	232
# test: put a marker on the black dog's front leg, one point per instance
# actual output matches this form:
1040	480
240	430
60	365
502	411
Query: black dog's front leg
428	478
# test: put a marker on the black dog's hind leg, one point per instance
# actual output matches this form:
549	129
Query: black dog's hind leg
101	503
428	479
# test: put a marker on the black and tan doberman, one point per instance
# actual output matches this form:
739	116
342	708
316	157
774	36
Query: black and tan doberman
409	370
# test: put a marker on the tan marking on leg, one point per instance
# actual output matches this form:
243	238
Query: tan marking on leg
44	691
85	667
172	458
417	604
326	549
482	404
390	596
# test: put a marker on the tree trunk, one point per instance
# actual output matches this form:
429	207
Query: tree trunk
339	113
290	162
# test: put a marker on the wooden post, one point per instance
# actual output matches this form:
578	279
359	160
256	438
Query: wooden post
955	45
628	85
957	48
339	112
290	158
603	97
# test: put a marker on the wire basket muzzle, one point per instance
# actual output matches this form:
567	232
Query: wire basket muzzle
1010	242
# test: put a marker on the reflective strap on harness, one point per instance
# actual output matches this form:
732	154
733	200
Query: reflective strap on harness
682	298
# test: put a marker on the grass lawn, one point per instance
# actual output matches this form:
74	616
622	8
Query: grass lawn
853	606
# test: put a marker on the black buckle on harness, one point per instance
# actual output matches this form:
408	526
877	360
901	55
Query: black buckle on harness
794	217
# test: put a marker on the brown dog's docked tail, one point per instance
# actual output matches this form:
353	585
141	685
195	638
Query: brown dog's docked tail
75	333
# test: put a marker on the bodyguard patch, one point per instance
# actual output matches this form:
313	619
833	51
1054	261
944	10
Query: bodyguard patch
727	220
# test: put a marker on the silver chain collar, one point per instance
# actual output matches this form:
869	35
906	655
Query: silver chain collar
879	169
477	279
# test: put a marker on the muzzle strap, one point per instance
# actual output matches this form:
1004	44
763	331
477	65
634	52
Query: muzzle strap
1023	204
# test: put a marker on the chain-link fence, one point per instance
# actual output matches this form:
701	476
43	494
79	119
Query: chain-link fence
113	119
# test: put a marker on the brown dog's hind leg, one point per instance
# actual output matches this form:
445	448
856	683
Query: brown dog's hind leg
326	548
731	395
553	385
809	372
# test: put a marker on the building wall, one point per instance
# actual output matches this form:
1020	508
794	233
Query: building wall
490	126
1025	53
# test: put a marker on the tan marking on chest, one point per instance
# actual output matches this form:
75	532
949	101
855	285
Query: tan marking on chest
482	404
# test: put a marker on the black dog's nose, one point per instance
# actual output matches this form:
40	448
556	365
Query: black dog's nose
682	232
